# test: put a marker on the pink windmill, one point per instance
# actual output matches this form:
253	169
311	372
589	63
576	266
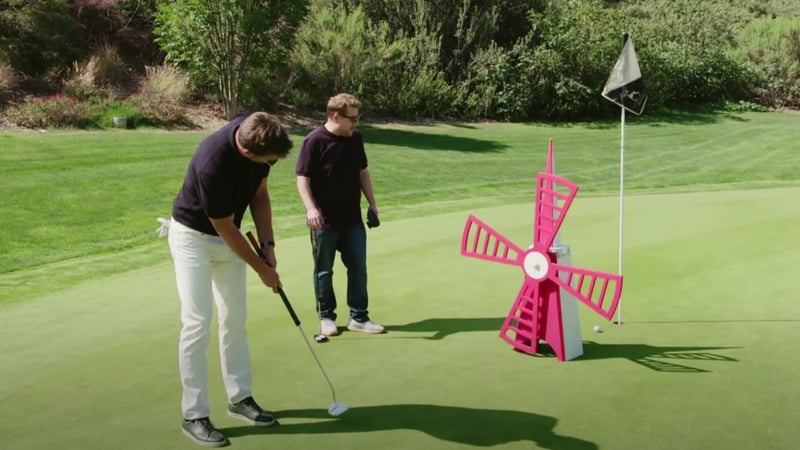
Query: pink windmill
540	311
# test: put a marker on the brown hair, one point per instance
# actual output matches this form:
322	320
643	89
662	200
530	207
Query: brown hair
262	134
339	102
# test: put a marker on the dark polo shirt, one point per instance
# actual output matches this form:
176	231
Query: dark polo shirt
333	164
219	182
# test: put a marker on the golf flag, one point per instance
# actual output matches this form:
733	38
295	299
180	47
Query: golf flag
625	86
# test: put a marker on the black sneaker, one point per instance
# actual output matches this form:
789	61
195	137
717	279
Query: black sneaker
203	432
249	411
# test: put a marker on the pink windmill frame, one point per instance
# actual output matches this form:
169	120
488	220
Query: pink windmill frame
538	311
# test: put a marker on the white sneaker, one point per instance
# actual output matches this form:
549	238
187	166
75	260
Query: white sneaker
328	327
366	327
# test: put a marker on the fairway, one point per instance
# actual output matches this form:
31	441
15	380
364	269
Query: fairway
706	358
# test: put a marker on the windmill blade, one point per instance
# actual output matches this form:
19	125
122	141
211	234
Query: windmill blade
483	242
598	290
554	196
521	325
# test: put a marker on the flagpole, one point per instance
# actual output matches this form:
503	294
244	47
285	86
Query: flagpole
621	203
624	88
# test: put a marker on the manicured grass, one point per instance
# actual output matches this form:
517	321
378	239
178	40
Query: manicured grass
89	196
89	313
703	361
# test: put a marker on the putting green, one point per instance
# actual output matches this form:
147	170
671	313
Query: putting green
706	358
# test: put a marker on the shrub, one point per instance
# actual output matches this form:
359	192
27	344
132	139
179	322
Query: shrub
8	80
771	48
58	111
165	82
155	110
98	76
159	99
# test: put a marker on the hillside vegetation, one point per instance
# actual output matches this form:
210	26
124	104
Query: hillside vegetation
78	63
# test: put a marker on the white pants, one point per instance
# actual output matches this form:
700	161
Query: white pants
207	272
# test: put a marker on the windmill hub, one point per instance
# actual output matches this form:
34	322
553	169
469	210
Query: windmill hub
536	265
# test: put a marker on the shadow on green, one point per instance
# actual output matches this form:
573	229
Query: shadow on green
470	426
655	358
426	141
660	359
443	327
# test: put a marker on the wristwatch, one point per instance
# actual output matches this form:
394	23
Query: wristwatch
268	244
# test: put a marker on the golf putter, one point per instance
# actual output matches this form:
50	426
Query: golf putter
336	408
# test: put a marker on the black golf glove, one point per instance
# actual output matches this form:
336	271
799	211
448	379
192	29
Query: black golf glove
372	219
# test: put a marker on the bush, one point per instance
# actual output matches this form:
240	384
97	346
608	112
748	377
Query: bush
57	111
8	80
165	82
158	101
771	48
156	110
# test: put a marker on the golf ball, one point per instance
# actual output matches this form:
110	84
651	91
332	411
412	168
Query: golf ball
596	328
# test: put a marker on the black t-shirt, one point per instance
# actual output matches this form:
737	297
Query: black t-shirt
219	182
333	164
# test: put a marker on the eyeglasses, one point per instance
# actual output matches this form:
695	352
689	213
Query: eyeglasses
353	119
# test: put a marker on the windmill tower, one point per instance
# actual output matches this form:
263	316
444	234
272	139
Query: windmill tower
539	312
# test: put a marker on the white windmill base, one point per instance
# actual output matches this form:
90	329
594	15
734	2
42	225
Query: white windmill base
571	327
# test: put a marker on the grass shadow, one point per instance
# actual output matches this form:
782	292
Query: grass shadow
441	327
659	359
468	426
664	118
426	141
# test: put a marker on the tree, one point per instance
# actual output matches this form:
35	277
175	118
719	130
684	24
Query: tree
35	37
221	39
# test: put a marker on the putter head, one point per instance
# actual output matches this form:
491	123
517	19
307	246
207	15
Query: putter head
320	338
337	409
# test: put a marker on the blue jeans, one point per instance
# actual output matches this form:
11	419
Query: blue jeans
351	243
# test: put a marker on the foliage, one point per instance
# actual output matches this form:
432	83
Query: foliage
8	80
36	36
493	59
335	49
125	24
461	26
167	82
555	72
156	110
103	71
771	48
58	111
153	109
222	40
684	50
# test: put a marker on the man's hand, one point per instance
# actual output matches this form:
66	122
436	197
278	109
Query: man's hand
269	256
269	277
314	219
372	218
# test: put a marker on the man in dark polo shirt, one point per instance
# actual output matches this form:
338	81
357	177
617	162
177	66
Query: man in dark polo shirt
332	173
227	174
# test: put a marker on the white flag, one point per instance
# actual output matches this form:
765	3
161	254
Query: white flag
625	86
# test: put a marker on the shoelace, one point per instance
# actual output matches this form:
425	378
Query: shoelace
250	403
208	427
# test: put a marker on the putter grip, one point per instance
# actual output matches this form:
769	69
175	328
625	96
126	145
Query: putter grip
286	303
